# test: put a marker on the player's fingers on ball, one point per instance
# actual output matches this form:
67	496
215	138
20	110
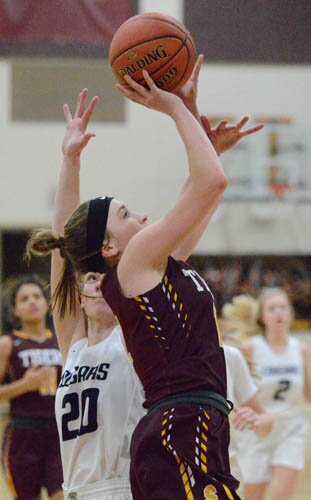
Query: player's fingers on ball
149	81
200	59
130	94
124	89
197	67
67	113
136	86
126	92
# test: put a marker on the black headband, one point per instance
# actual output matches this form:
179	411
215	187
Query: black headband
96	229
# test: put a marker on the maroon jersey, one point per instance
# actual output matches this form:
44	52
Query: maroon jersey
171	333
28	353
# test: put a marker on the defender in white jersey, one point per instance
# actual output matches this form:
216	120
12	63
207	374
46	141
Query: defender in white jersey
99	399
98	404
283	365
248	411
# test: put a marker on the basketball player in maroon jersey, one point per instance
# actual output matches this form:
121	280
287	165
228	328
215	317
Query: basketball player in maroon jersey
180	449
31	455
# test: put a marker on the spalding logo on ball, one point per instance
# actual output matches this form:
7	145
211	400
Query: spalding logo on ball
155	42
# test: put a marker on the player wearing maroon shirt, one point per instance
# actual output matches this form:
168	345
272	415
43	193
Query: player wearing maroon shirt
31	455
171	333
172	336
180	449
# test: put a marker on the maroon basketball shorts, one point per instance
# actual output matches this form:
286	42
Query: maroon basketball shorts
31	460
181	452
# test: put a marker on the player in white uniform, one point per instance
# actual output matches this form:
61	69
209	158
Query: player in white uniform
98	404
284	367
99	399
248	412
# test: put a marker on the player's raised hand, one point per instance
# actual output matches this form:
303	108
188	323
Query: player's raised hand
224	136
188	92
76	136
151	97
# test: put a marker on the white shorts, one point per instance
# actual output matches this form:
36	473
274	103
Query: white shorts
285	446
111	489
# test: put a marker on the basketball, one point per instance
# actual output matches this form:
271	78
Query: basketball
157	43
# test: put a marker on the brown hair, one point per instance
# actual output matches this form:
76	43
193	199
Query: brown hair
73	250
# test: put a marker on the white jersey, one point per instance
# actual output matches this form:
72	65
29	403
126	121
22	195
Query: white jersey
240	389
98	404
240	385
281	377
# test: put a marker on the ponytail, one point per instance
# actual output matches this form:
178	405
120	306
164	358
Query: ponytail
76	253
41	243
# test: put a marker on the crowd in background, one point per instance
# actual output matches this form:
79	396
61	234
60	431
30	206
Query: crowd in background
229	276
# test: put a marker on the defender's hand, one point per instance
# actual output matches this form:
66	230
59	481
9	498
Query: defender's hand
225	136
76	136
188	92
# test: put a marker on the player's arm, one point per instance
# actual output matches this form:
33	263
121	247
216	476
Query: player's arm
148	250
306	354
223	137
31	380
67	199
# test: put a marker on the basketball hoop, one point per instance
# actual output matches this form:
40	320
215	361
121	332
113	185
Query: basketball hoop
279	190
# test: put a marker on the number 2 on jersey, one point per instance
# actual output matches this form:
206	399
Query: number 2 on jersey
284	386
85	412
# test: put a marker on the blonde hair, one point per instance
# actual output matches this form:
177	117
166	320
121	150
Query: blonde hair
239	318
240	321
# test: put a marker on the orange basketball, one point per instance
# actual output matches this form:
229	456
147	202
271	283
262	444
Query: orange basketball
157	43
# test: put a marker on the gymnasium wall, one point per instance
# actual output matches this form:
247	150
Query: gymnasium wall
137	155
